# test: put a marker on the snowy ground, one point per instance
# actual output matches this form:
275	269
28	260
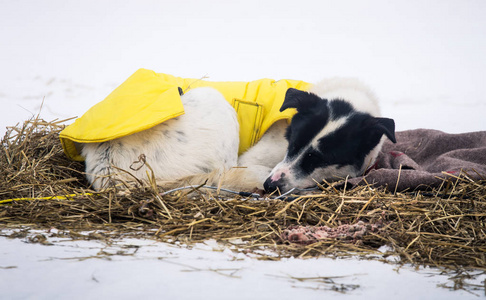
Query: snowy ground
140	268
424	59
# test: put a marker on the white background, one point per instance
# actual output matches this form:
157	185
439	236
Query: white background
425	60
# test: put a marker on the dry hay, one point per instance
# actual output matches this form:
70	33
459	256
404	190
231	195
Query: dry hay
443	227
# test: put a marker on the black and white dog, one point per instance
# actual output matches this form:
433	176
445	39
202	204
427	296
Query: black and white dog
337	132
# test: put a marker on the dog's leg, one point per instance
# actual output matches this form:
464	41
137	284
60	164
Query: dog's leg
255	165
270	150
253	168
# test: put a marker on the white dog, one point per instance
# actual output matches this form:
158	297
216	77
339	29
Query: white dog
337	132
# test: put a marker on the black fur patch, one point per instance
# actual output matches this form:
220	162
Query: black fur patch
347	146
340	108
304	127
302	101
312	115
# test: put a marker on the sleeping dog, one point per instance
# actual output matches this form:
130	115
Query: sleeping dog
336	132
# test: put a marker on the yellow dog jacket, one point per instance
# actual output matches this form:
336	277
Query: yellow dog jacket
147	99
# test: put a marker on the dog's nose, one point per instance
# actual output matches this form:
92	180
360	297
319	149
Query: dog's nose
271	186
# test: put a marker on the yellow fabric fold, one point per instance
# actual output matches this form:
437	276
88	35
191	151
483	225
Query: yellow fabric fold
147	99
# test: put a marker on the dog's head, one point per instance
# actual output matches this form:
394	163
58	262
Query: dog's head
327	140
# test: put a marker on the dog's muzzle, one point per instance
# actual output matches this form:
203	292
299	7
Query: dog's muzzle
271	186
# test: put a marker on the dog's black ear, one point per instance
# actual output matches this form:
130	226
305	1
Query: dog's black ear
385	126
300	100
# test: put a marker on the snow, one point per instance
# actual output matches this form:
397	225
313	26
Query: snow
424	59
132	268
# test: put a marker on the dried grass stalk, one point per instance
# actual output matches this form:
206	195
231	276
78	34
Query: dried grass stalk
443	227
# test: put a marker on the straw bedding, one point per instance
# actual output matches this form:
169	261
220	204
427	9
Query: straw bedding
442	226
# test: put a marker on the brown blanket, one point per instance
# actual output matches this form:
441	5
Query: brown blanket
423	158
420	159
